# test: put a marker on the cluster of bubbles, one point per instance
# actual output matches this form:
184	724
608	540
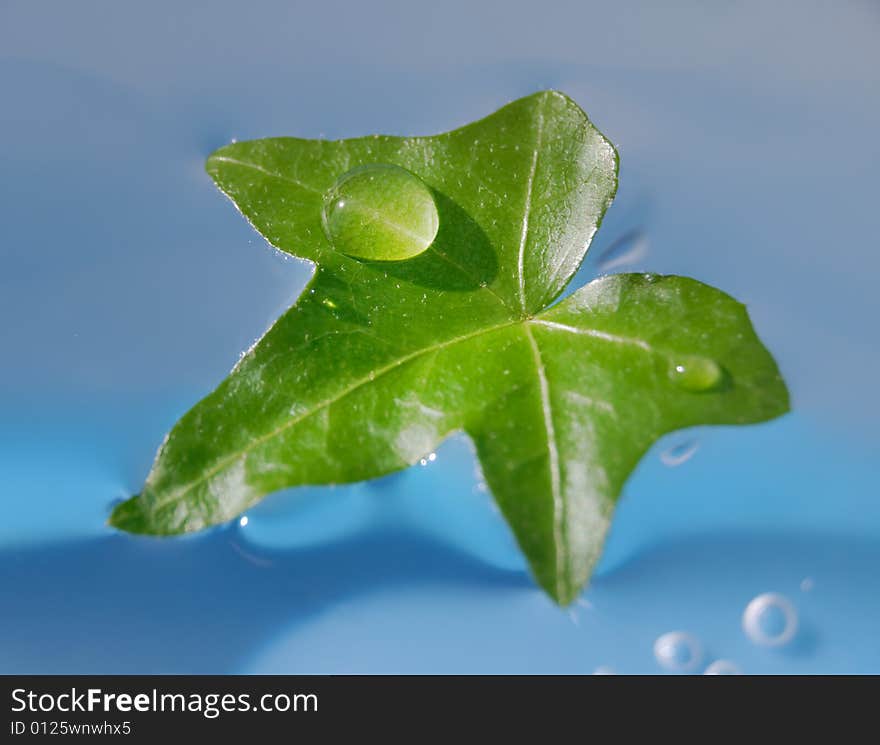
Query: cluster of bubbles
769	620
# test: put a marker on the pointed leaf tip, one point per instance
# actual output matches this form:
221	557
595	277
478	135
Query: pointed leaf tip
129	517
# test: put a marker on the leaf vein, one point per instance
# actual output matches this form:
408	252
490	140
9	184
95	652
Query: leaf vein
595	333
321	406
560	517
273	174
530	183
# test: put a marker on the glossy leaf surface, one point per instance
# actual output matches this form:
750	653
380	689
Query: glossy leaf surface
380	360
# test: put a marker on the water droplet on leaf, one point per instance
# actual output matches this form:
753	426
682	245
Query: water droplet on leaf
380	212
695	374
770	620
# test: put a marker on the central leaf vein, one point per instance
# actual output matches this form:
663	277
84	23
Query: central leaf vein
560	537
527	209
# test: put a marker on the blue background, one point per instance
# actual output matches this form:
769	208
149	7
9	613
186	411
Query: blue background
128	286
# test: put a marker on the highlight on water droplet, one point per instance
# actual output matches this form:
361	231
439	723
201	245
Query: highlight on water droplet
723	667
678	651
243	521
770	620
380	212
680	453
695	374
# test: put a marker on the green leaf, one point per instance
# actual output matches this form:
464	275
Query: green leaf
379	360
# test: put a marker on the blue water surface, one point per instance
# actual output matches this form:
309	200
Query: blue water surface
128	287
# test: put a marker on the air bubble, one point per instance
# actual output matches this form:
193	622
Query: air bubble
723	667
770	620
678	651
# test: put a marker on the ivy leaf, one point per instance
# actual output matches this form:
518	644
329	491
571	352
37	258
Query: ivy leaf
391	348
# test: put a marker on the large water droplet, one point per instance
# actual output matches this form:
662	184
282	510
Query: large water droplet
380	212
770	620
695	374
678	651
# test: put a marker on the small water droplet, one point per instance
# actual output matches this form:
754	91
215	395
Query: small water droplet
723	667
770	620
604	670
380	212
695	374
678	651
680	453
807	584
